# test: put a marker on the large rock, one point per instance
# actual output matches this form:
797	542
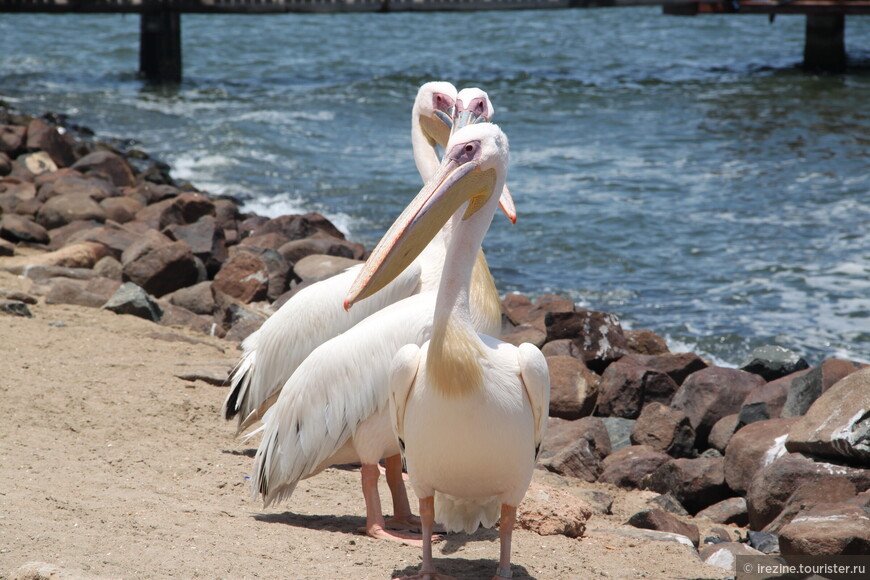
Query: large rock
754	447
318	266
829	529
320	243
520	311
767	401
82	293
598	335
205	239
645	342
809	387
16	228
838	423
550	511
61	210
121	209
96	189
665	429
773	485
576	448
198	298
12	138
245	277
722	432
696	483
626	386
82	255
573	388
107	165
810	494
41	135
628	466
772	362
728	511
659	519
711	393
159	265
278	268
677	365
294	227
533	335
132	299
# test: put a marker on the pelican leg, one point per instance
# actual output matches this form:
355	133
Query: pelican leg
427	569
375	525
402	518
505	533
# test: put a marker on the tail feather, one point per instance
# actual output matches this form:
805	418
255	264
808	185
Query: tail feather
240	380
459	514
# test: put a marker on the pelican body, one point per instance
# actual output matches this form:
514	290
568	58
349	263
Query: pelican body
469	411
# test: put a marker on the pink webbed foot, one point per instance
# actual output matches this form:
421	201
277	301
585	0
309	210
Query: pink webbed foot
399	536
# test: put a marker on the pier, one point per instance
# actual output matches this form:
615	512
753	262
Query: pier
160	50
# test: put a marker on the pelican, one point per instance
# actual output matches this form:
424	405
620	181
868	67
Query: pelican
333	406
469	411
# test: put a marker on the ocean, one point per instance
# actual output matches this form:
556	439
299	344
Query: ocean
682	173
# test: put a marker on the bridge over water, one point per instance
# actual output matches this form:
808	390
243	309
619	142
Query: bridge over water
160	29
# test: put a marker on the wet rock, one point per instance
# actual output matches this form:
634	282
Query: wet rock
549	511
827	530
64	185
696	483
159	265
107	165
809	387
15	308
628	466
772	362
525	333
658	519
764	542
61	210
754	447
837	425
619	430
677	365
41	135
245	277
724	555
711	393
198	298
318	266
665	429
121	209
728	511
773	485
573	388
16	228
132	299
645	342
598	335
626	385
722	432
576	448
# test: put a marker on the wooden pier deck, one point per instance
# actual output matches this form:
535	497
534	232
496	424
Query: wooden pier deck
160	29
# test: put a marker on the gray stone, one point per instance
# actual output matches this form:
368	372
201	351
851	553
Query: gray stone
62	210
628	466
619	430
197	298
132	299
809	387
15	308
763	541
772	362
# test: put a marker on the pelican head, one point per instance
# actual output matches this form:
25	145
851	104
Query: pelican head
472	106
473	168
434	109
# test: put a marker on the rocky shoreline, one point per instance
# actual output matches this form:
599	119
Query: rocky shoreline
768	453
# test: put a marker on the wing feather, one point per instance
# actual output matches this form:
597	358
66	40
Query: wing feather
536	381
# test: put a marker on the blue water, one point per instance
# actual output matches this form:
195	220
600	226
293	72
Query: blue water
683	173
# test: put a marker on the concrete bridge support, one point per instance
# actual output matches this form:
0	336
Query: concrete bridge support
160	46
824	46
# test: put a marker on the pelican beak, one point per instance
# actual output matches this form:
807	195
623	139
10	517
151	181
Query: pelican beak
506	203
454	184
439	127
467	117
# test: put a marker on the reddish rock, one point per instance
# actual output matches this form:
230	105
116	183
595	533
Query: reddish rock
226	212
828	529
754	447
626	385
645	342
12	139
272	241
6	248
837	425
41	135
61	235
549	511
561	347
677	365
573	388
321	243
245	277
728	511
628	466
198	298
711	393
664	429
107	165
5	164
176	316
516	307
773	485
149	193
159	265
536	315
317	267
160	214
809	387
769	399
659	519
722	432
598	335
62	210
205	239
279	270
121	209
66	291
16	228
294	227
810	494
109	267
696	483
83	255
576	448
249	224
194	206
524	333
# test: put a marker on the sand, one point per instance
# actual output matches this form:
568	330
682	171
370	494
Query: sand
114	466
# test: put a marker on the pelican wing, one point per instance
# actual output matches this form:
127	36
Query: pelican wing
342	383
402	377
313	316
536	381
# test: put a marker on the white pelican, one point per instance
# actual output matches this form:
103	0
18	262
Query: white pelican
333	407
469	410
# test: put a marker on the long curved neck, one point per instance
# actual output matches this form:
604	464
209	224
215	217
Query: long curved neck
424	147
